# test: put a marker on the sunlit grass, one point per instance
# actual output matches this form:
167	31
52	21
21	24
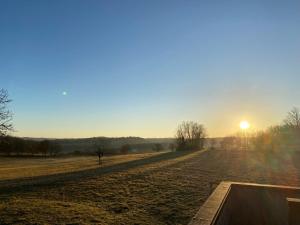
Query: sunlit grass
169	191
12	168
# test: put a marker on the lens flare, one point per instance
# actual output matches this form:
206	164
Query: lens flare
244	125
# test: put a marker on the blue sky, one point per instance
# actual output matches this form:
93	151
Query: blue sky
138	68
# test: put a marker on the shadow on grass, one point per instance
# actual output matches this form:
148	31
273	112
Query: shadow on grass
53	179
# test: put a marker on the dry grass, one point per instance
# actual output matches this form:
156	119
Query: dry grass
12	168
167	190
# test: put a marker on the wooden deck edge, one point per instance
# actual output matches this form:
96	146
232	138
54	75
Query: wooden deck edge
210	210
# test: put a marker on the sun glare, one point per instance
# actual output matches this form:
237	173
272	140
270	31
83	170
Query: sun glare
244	125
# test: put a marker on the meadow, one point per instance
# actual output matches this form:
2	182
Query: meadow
16	167
166	188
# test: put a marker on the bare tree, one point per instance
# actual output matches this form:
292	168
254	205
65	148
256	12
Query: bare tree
172	147
100	153
157	147
125	149
44	147
190	136
5	114
293	118
54	148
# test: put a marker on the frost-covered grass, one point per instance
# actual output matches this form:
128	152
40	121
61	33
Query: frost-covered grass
168	189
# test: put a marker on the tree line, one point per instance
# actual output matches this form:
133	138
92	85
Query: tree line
285	136
282	137
189	136
11	146
19	146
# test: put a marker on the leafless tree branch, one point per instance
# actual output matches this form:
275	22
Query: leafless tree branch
5	114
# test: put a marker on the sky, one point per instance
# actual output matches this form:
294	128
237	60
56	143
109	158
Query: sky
139	68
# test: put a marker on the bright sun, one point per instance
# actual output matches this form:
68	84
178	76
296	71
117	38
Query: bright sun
244	125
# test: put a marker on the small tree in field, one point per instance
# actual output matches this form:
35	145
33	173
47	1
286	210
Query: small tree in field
190	136
157	147
54	149
100	153
172	147
44	147
125	149
5	114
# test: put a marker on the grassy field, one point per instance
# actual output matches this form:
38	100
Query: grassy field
160	189
12	168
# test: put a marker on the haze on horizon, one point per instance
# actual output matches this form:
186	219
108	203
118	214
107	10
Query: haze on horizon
139	68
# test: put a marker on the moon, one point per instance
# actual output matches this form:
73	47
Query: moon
64	93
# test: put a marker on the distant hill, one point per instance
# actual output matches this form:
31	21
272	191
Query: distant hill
110	144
